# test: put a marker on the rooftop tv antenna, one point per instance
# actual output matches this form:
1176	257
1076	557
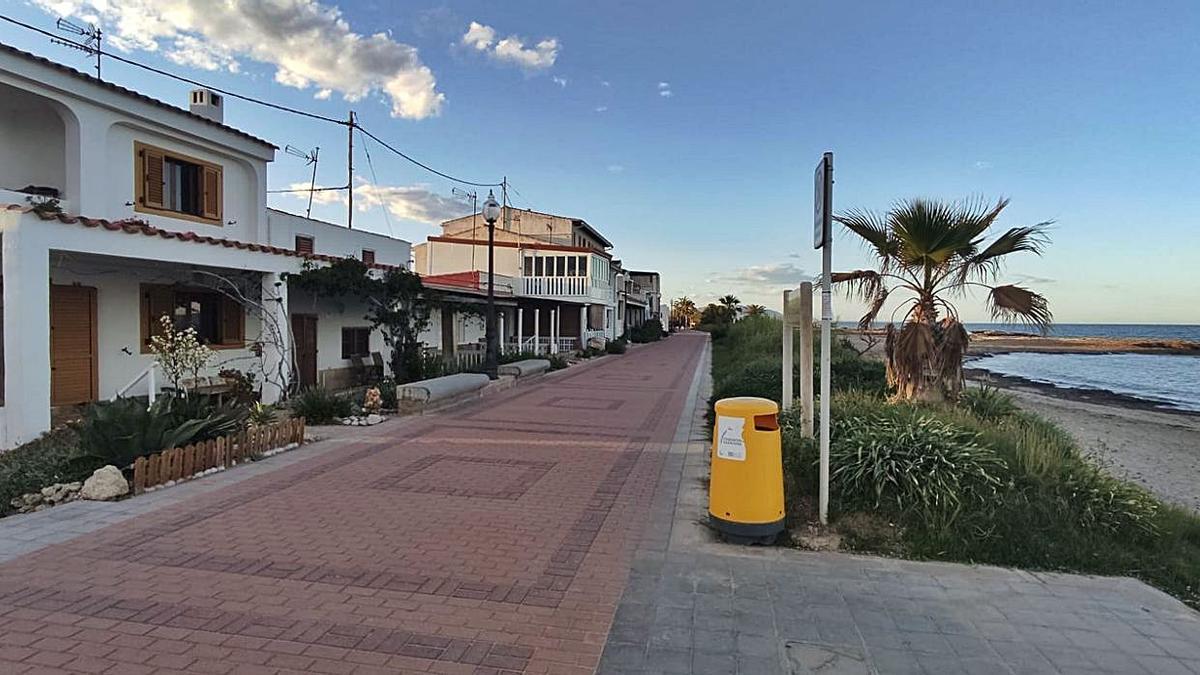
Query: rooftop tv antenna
474	199
310	157
91	35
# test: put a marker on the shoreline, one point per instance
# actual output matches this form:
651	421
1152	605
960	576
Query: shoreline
1076	394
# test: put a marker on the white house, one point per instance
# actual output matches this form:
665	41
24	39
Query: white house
159	210
556	268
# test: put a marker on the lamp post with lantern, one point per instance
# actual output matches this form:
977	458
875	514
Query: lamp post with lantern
491	213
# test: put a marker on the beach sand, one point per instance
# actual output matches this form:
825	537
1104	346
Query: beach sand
1157	450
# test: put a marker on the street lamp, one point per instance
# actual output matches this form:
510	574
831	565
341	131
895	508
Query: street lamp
491	212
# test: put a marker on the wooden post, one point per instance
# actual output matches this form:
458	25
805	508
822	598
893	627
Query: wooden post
806	359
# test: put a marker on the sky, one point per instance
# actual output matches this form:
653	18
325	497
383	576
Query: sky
687	132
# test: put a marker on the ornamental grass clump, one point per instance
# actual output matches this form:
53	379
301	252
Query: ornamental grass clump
915	466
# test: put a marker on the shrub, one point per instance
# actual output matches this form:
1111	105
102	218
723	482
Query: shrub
244	392
53	458
513	357
387	393
318	405
262	414
118	432
917	467
616	346
558	361
649	331
987	402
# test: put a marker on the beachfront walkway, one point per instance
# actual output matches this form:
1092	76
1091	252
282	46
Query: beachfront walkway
499	538
495	538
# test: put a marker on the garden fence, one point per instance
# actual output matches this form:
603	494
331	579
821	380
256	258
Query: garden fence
185	462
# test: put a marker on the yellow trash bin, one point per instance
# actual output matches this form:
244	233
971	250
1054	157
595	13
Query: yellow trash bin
745	491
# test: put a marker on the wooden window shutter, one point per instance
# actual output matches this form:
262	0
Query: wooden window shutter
304	245
156	301
152	178
212	192
233	322
368	256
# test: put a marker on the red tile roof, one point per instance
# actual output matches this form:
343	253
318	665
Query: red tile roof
134	226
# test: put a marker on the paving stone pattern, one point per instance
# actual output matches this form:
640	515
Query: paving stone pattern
493	538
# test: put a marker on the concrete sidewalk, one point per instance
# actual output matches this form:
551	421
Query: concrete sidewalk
694	605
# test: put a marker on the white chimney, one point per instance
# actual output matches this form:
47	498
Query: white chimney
207	104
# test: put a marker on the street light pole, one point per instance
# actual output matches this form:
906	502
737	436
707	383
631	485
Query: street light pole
491	212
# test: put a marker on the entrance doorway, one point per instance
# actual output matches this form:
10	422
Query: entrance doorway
304	331
74	368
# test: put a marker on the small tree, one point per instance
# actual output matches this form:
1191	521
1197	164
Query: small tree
179	352
397	305
755	310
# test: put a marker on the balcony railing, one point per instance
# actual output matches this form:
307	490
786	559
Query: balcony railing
558	286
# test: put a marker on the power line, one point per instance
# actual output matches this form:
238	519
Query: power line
424	166
159	71
320	189
375	181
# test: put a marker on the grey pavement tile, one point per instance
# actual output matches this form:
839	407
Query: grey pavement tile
668	660
678	638
748	644
714	641
713	664
1117	662
1164	665
896	662
808	659
942	664
757	666
622	659
1180	649
673	616
1022	657
1133	643
1067	657
968	646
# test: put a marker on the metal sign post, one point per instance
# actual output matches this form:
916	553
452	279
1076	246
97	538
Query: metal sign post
823	239
789	332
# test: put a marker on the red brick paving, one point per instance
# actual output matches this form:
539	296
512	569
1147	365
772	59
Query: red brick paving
490	539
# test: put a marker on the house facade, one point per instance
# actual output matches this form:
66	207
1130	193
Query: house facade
117	209
557	270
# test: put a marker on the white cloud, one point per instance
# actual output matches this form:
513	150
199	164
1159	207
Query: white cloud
601	108
763	278
308	43
615	168
408	202
511	49
664	89
605	83
982	165
560	81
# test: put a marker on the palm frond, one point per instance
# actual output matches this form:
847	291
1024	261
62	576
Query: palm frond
1025	239
873	310
864	284
875	232
911	350
1011	303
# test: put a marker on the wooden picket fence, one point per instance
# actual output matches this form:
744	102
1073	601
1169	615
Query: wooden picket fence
178	463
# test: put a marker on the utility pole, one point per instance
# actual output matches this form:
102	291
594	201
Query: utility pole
350	173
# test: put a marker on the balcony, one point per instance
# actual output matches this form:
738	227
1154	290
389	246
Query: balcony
577	289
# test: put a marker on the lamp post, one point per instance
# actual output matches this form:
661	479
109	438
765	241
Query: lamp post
491	212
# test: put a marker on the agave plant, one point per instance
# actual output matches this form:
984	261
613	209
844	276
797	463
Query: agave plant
931	251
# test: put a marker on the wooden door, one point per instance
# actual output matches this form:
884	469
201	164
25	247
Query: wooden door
304	331
73	355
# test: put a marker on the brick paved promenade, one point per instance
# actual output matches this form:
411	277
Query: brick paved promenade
495	538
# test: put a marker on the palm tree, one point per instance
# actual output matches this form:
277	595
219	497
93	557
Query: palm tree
684	312
755	310
931	251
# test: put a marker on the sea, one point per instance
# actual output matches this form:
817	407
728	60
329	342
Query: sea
1167	380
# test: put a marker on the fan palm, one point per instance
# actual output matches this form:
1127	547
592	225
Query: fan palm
684	312
755	310
931	251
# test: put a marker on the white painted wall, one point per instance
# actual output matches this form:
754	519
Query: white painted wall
336	240
33	141
332	316
118	311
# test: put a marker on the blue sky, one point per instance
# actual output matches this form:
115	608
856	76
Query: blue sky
1083	113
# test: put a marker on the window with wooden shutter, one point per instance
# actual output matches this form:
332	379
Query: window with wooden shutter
211	202
233	322
156	302
304	244
368	256
152	178
171	184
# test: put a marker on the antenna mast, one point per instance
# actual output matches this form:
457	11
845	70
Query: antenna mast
309	158
91	35
350	173
474	197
